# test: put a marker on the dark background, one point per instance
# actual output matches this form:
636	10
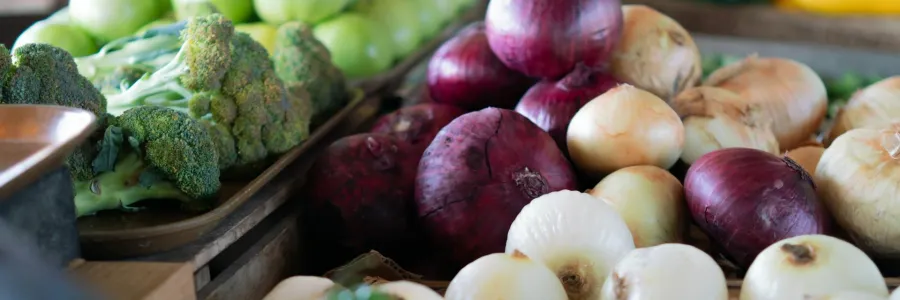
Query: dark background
11	26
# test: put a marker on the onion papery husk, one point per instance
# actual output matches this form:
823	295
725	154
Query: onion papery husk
655	53
857	180
875	106
807	156
716	118
791	92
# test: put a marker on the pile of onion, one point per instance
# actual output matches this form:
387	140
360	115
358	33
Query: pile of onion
809	266
791	92
655	53
876	105
668	271
547	38
551	104
576	236
417	124
650	199
807	156
464	72
505	276
857	178
625	126
747	199
716	118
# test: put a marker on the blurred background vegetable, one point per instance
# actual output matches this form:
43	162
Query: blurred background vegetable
399	18
238	11
66	36
357	44
108	20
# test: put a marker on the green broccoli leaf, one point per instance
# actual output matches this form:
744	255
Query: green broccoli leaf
109	150
150	176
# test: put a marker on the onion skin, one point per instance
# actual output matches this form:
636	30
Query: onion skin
874	106
476	176
579	238
747	199
650	199
668	271
302	287
624	127
547	38
552	104
408	290
417	124
464	72
791	92
857	180
655	53
807	157
809	266
504	276
716	118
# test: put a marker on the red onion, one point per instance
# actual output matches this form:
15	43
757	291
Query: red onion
464	72
748	199
417	124
551	104
546	38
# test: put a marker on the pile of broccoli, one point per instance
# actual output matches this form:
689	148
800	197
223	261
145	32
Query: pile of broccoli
164	100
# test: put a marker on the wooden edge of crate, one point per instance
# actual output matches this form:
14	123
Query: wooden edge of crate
771	23
136	280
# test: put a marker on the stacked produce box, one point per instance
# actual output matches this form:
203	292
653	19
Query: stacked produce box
694	170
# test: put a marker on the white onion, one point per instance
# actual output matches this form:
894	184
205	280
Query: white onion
502	276
716	118
895	295
302	287
624	127
650	200
668	271
408	290
811	265
847	295
576	236
876	105
857	179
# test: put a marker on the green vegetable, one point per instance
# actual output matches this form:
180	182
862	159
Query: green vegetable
238	11
108	20
307	11
399	17
70	38
263	33
150	153
302	62
46	75
161	22
430	17
237	93
60	16
357	44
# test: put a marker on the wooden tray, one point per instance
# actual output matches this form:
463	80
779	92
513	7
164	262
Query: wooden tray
114	234
390	80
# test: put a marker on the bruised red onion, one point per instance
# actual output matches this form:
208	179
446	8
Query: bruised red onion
747	199
476	176
551	104
417	124
546	38
464	72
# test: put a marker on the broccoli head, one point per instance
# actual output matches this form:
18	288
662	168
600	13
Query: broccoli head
151	152
46	75
226	80
303	62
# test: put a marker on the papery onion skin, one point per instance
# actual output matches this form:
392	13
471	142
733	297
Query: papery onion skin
547	38
464	72
807	157
625	126
667	271
716	118
747	199
811	265
650	199
417	124
505	276
551	104
857	180
578	237
655	53
875	106
791	92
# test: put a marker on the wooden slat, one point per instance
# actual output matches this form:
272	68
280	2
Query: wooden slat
138	280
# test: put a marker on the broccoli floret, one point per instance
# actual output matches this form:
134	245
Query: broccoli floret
227	80
302	61
151	152
46	75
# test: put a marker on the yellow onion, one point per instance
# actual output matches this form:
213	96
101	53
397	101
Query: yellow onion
655	53
876	105
857	180
791	92
624	127
807	156
716	118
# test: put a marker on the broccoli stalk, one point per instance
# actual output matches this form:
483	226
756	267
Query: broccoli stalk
160	88
148	50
